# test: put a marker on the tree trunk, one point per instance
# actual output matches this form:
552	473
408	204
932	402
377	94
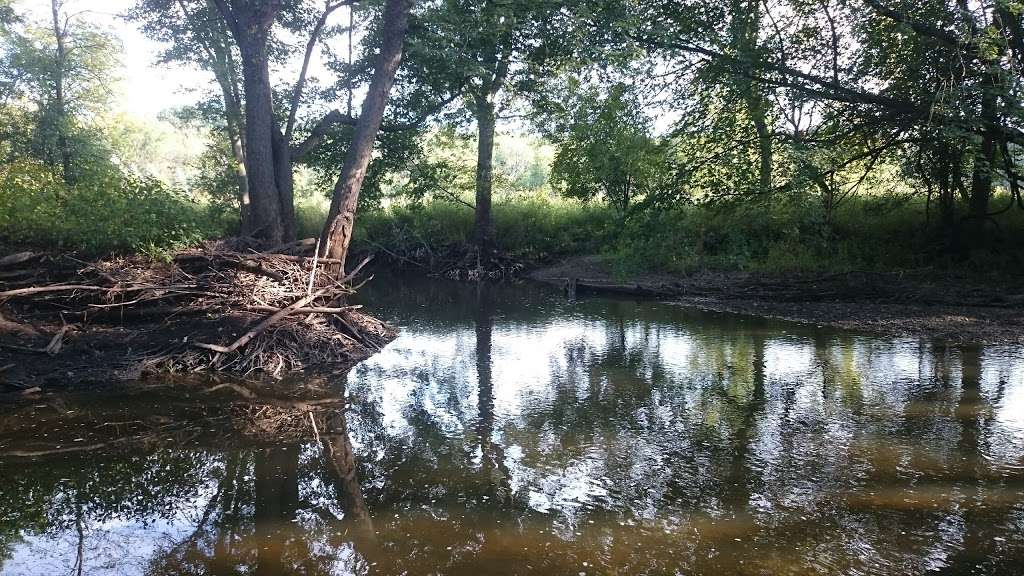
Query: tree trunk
60	106
241	180
981	178
233	121
337	232
764	142
484	224
284	181
267	223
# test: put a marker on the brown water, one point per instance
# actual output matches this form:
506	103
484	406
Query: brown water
507	431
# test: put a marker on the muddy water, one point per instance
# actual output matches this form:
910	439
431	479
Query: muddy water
507	431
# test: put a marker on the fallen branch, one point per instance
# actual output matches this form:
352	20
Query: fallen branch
262	326
19	258
54	288
306	310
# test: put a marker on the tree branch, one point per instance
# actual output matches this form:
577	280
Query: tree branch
335	117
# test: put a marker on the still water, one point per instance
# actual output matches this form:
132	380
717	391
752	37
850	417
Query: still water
508	431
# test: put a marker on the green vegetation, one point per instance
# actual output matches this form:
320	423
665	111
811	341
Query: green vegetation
663	135
109	211
76	174
866	233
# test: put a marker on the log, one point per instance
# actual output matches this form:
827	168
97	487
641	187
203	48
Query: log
19	258
304	243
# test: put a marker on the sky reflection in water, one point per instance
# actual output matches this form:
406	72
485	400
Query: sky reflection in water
507	431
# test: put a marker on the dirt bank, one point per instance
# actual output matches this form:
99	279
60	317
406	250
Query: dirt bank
922	303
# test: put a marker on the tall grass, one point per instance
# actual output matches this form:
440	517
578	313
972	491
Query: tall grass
870	233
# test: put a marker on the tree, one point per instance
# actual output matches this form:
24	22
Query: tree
260	128
606	150
197	36
55	76
484	53
931	86
337	232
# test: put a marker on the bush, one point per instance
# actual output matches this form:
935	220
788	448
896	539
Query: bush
530	228
865	233
104	212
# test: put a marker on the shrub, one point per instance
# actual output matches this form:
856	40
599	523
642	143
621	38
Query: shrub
105	212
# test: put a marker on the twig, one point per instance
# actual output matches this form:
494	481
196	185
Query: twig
262	326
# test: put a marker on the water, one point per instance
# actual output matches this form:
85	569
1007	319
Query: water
507	431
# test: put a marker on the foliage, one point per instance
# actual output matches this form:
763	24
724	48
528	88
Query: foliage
105	212
607	152
866	233
531	228
50	94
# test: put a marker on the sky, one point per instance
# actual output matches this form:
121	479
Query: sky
146	88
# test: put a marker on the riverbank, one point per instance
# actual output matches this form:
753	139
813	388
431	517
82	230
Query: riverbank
921	303
221	308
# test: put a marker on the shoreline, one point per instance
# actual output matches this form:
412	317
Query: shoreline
923	304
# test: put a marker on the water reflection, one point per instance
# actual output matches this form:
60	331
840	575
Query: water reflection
510	432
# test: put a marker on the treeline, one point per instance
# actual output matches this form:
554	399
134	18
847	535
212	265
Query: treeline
686	119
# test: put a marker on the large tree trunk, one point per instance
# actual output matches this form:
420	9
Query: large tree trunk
267	223
337	233
981	179
484	224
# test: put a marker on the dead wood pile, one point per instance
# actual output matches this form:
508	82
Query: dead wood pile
220	308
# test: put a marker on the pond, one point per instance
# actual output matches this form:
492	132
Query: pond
509	431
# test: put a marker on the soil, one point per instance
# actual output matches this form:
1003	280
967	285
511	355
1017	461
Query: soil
945	305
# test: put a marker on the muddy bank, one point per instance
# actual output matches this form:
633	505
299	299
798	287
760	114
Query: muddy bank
220	309
924	303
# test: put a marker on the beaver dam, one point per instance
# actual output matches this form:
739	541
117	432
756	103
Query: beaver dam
216	309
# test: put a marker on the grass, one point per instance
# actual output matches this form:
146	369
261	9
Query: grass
866	233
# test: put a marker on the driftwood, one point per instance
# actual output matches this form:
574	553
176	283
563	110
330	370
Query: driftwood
170	311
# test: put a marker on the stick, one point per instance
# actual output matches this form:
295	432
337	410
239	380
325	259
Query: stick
295	258
315	431
356	270
112	290
55	345
312	273
262	326
307	310
54	288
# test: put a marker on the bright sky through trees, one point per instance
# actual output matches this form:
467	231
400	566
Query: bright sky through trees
145	88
